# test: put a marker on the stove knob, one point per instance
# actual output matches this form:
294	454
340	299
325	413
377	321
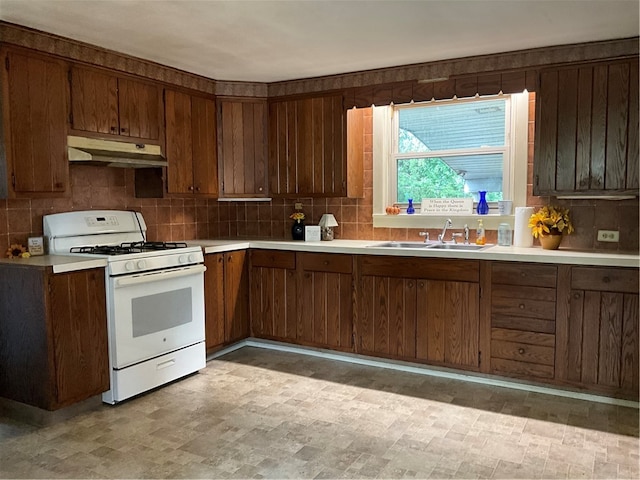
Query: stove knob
141	264
182	259
192	257
129	266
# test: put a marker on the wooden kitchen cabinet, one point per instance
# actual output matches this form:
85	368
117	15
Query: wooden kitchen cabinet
242	147
273	295
307	147
424	309
325	305
34	113
587	129
103	103
598	345
54	329
523	320
191	144
226	284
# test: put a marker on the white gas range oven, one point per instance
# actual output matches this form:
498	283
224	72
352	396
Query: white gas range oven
155	297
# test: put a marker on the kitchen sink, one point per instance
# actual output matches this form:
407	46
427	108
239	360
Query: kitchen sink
400	245
457	246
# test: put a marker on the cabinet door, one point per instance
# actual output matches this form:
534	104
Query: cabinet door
273	294
94	101
587	129
214	300
307	147
78	318
203	136
139	107
179	142
326	311
236	296
242	141
447	322
36	111
387	316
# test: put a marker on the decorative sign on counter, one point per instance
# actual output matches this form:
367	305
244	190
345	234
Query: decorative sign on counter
447	206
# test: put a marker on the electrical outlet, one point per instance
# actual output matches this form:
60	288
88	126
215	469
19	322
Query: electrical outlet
297	205
608	236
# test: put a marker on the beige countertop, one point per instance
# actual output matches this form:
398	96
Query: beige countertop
59	263
509	254
64	263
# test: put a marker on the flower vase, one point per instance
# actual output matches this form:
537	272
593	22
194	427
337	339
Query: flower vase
483	206
410	209
550	241
297	230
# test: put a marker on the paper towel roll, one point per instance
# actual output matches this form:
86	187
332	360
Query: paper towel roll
522	234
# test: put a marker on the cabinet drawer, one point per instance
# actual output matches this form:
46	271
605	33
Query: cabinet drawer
516	291
522	352
521	369
531	338
605	279
446	269
524	274
273	259
523	307
523	323
322	262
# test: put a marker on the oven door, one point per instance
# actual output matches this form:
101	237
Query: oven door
155	313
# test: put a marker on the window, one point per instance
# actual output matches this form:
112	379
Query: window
450	149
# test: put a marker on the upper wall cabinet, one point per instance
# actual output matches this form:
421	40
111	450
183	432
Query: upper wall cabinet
34	112
307	147
242	147
106	104
191	144
587	130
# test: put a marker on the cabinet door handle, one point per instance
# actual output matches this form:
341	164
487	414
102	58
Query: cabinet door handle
123	130
114	129
521	351
191	188
521	306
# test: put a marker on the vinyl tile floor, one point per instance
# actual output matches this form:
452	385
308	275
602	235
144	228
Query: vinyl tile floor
258	413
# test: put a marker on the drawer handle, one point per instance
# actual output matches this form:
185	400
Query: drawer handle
521	351
522	274
326	262
606	279
576	296
410	284
521	306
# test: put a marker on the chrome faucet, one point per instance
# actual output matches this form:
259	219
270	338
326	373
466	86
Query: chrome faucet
447	224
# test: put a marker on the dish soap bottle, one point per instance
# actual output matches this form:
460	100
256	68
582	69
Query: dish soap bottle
480	237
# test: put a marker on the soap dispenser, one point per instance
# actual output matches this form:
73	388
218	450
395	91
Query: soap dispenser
480	236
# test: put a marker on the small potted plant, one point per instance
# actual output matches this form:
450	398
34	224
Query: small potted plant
549	224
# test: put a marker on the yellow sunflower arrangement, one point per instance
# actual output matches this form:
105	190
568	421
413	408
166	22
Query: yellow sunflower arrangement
550	221
16	250
298	216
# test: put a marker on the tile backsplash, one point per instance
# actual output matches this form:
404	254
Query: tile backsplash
185	219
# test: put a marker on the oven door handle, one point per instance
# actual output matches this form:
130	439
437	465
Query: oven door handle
160	275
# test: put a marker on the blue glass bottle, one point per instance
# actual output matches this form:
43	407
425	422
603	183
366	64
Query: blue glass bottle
483	206
410	208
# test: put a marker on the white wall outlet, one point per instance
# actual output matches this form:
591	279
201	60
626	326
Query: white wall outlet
608	236
297	205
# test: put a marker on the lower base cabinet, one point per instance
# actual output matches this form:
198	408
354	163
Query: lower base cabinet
53	336
226	285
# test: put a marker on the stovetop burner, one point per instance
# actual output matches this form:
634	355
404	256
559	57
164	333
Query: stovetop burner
128	247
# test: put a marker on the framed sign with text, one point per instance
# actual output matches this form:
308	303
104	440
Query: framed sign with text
447	206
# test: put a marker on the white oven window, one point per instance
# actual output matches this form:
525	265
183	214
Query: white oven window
161	311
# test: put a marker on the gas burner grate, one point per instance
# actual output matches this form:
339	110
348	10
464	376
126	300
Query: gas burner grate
154	245
102	250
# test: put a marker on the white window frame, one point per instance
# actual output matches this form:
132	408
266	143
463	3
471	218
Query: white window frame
514	169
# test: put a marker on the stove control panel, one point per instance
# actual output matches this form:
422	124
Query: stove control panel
146	261
110	220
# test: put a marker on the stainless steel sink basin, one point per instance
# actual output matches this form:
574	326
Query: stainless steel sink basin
457	246
400	245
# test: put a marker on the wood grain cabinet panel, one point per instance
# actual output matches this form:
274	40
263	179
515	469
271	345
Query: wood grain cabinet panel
325	305
242	146
307	147
587	129
226	298
599	346
273	295
35	113
107	104
54	329
191	144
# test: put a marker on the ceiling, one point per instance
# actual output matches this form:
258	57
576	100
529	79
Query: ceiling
269	41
